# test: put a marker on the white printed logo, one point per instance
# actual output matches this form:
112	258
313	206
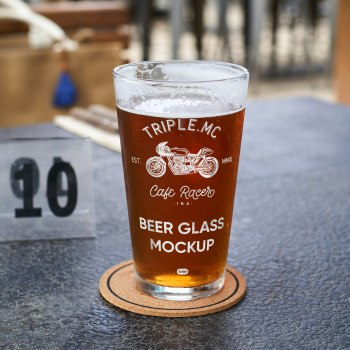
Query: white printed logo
182	271
182	162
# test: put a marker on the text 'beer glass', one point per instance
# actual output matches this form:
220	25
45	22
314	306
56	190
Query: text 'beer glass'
181	126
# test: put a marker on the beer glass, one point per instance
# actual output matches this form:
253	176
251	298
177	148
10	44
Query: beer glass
180	126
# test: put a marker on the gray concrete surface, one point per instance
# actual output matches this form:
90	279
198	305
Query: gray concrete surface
290	239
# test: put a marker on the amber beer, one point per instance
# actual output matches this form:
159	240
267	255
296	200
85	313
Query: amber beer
186	208
180	174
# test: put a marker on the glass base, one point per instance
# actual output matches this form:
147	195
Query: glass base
178	293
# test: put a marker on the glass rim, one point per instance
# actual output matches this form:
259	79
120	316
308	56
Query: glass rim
244	72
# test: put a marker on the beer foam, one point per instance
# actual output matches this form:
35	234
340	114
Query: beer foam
181	89
181	107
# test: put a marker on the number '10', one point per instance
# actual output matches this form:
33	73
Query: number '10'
27	170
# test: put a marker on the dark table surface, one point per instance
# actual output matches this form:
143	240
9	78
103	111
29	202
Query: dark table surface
290	239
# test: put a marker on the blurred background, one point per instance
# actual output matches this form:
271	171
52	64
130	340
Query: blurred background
55	55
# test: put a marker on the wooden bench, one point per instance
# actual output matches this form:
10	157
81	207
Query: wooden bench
107	17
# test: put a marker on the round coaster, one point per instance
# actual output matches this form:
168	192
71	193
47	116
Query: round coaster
117	285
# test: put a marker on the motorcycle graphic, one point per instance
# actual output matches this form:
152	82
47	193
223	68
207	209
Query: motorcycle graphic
182	162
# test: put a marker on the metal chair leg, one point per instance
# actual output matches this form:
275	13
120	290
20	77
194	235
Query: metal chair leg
223	28
198	7
144	19
176	24
255	11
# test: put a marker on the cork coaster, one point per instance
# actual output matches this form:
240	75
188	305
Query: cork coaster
117	285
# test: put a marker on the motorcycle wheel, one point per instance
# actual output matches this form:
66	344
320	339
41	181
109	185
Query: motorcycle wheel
211	168
156	167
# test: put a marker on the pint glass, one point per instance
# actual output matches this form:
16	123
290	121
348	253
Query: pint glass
180	127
